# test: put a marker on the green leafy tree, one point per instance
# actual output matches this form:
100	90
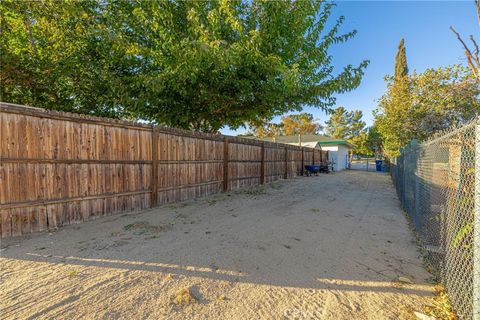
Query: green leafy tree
359	143
267	130
300	124
442	98
189	64
344	124
401	66
62	55
438	99
348	125
395	106
373	145
337	124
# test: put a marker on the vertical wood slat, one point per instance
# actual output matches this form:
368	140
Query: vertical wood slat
285	175
313	157
6	221
303	164
225	164
262	164
154	177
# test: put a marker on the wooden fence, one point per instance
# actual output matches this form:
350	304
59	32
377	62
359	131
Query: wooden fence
59	168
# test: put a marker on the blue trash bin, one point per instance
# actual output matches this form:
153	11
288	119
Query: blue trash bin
378	165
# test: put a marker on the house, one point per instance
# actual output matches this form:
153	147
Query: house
338	149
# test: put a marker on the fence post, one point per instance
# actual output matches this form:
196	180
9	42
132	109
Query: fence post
285	175
476	230
262	168
416	209
225	164
303	164
416	200
313	156
403	153
154	177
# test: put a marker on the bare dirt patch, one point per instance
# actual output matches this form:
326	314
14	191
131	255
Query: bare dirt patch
335	246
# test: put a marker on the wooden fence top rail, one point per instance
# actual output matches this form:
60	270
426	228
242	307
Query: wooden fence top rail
82	118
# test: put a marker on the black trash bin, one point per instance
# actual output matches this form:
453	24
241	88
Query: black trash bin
378	165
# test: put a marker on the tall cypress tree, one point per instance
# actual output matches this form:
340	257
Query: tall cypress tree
401	67
394	122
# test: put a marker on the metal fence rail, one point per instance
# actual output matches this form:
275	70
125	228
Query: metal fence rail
437	186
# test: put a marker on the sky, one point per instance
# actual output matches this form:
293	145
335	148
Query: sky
380	25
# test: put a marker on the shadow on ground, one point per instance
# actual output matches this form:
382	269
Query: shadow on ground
308	237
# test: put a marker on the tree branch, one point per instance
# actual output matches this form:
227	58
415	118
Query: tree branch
471	58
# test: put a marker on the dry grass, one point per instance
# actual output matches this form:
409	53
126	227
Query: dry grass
183	297
144	227
440	306
253	191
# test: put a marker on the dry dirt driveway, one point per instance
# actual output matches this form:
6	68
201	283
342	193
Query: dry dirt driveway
325	247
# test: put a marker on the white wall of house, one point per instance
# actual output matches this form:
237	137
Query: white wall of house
338	154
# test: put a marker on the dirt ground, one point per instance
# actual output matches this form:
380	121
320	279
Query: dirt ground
325	247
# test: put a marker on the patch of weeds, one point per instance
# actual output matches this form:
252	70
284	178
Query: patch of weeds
315	210
178	205
276	185
183	297
253	191
72	274
139	228
211	202
440	306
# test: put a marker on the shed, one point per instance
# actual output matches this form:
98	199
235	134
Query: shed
338	149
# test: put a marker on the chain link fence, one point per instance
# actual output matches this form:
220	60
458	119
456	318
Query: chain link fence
364	164
438	185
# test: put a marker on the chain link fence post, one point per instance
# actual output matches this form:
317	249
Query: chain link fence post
476	230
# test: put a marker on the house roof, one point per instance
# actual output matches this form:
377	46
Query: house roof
308	139
310	144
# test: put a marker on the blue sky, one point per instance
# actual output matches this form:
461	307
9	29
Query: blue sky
380	24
